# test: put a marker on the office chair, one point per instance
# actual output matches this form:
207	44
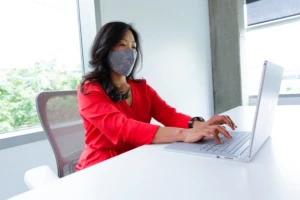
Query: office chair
60	119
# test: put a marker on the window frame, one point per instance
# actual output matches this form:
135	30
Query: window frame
273	23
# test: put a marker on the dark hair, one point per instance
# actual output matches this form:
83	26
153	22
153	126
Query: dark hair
107	37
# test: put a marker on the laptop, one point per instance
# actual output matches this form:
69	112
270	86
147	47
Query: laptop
243	145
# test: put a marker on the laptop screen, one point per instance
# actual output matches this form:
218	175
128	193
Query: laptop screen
266	105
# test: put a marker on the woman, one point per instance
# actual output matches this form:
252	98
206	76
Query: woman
116	108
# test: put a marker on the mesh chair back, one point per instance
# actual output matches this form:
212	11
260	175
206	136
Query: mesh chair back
60	119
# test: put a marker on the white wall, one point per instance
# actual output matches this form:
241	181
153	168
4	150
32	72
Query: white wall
15	161
176	46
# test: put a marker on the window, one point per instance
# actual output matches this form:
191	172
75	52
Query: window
40	51
278	44
276	41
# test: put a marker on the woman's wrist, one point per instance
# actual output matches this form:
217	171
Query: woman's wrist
180	135
168	135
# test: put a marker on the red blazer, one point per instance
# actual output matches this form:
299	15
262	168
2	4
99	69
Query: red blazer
115	127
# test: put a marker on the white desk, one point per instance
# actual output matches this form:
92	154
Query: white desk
149	172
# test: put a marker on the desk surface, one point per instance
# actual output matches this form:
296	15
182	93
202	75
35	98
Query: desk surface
149	172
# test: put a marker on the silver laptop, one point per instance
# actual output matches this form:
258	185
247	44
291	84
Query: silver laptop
243	145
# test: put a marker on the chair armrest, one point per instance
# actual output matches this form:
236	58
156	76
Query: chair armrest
39	176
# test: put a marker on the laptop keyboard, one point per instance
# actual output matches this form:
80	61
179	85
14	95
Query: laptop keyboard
229	146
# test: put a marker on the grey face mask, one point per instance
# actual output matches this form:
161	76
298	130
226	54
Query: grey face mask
122	61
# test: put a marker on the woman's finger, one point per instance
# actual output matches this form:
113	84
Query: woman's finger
227	121
217	139
232	125
235	126
213	133
207	133
223	132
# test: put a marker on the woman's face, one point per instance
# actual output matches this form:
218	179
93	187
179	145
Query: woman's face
127	42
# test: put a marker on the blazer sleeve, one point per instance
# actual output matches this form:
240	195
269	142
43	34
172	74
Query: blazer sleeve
97	108
166	114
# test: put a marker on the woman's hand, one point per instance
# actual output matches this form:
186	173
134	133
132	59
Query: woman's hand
220	120
196	134
210	128
215	120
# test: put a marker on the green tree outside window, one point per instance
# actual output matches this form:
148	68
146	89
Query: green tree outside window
19	88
